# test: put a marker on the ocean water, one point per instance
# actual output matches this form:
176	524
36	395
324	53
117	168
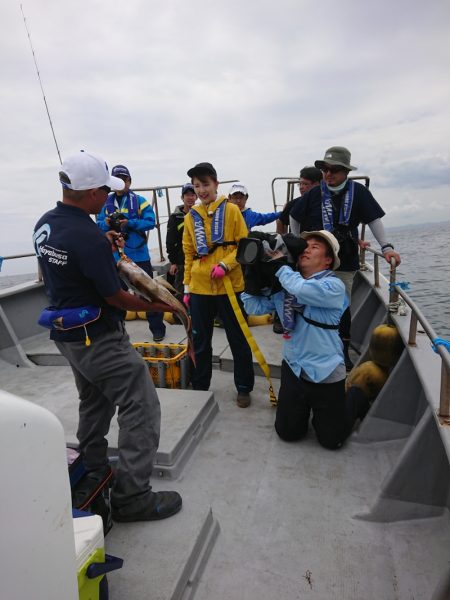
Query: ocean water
424	250
425	265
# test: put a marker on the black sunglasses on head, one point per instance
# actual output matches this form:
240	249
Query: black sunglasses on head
105	188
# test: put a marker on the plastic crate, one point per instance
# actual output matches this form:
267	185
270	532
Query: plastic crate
168	364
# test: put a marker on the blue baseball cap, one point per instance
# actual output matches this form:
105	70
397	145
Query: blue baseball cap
187	187
120	170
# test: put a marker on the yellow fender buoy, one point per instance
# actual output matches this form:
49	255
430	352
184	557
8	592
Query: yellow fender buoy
142	315
131	315
385	346
254	320
369	377
168	317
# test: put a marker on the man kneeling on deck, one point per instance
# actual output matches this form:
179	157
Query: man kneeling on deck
310	306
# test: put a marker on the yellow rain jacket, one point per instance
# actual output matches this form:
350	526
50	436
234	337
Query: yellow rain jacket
197	271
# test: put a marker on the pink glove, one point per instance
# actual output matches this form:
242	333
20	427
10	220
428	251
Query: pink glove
218	271
186	299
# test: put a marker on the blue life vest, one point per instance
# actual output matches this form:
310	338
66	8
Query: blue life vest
217	227
113	204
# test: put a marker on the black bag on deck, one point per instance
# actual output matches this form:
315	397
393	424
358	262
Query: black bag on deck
90	491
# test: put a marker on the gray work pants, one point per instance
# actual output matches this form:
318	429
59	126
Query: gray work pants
110	374
347	278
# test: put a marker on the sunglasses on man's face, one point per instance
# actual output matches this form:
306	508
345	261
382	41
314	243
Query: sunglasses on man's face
332	169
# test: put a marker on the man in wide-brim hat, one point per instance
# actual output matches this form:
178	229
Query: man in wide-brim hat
310	305
340	205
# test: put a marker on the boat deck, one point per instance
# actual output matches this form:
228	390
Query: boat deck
261	518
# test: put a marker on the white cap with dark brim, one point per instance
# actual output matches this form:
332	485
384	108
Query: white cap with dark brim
238	188
85	171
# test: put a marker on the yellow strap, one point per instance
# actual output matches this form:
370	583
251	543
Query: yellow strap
250	339
87	341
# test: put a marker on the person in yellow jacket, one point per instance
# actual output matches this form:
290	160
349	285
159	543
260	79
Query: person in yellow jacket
212	230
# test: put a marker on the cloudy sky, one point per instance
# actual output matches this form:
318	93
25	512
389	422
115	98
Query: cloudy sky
258	88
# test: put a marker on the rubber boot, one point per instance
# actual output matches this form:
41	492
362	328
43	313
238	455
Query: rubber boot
348	361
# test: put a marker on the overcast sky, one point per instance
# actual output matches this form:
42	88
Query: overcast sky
258	88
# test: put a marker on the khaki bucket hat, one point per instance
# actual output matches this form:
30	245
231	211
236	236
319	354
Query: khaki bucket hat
336	155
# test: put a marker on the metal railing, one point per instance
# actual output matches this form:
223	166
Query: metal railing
293	181
393	294
31	255
158	192
416	317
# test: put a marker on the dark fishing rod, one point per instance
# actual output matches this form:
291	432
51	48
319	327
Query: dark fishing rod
40	83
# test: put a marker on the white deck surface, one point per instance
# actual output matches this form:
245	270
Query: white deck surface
286	511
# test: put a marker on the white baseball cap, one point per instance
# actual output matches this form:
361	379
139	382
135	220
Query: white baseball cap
237	188
85	171
331	241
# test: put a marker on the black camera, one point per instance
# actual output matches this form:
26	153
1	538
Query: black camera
255	254
115	220
347	243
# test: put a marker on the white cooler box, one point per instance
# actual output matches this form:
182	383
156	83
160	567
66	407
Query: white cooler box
92	562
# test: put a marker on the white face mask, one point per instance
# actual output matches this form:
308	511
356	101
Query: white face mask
337	188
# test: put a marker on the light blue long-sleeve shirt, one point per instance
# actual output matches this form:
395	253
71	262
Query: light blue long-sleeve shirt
315	351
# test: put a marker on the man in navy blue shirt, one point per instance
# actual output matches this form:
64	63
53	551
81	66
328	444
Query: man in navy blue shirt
339	205
80	276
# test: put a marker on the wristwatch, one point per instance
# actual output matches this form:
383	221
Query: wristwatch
383	248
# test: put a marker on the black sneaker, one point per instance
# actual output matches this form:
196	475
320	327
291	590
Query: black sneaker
158	337
277	327
160	506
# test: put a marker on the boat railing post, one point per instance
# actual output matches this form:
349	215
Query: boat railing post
167	201
274	200
444	403
288	190
362	250
393	294
376	271
412	329
158	227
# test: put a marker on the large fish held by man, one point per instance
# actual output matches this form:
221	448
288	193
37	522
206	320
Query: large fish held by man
155	290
